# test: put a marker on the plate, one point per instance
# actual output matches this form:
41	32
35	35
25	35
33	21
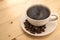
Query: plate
50	27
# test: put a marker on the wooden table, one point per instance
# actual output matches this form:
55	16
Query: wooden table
11	12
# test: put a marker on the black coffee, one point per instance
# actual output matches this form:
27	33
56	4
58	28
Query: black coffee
38	12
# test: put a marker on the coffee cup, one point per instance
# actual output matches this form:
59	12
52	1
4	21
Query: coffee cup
39	15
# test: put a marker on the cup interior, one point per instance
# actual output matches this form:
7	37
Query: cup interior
38	12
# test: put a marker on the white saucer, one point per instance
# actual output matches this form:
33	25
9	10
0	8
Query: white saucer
50	27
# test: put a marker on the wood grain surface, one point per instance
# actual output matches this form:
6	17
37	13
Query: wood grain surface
11	12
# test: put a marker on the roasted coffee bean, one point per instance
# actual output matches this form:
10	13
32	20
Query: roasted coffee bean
43	27
42	30
34	29
26	20
26	28
9	35
29	29
30	26
11	22
40	27
39	31
14	39
26	24
32	32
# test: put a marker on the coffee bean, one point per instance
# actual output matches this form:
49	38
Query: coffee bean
32	32
9	35
43	27
26	28
11	22
40	26
39	30
14	39
29	29
26	24
42	30
26	20
34	29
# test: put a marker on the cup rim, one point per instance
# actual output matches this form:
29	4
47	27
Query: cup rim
40	19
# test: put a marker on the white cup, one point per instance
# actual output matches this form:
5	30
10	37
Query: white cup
52	17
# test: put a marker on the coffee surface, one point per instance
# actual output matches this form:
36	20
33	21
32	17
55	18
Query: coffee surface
38	12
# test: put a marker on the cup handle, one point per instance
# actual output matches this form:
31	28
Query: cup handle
53	17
